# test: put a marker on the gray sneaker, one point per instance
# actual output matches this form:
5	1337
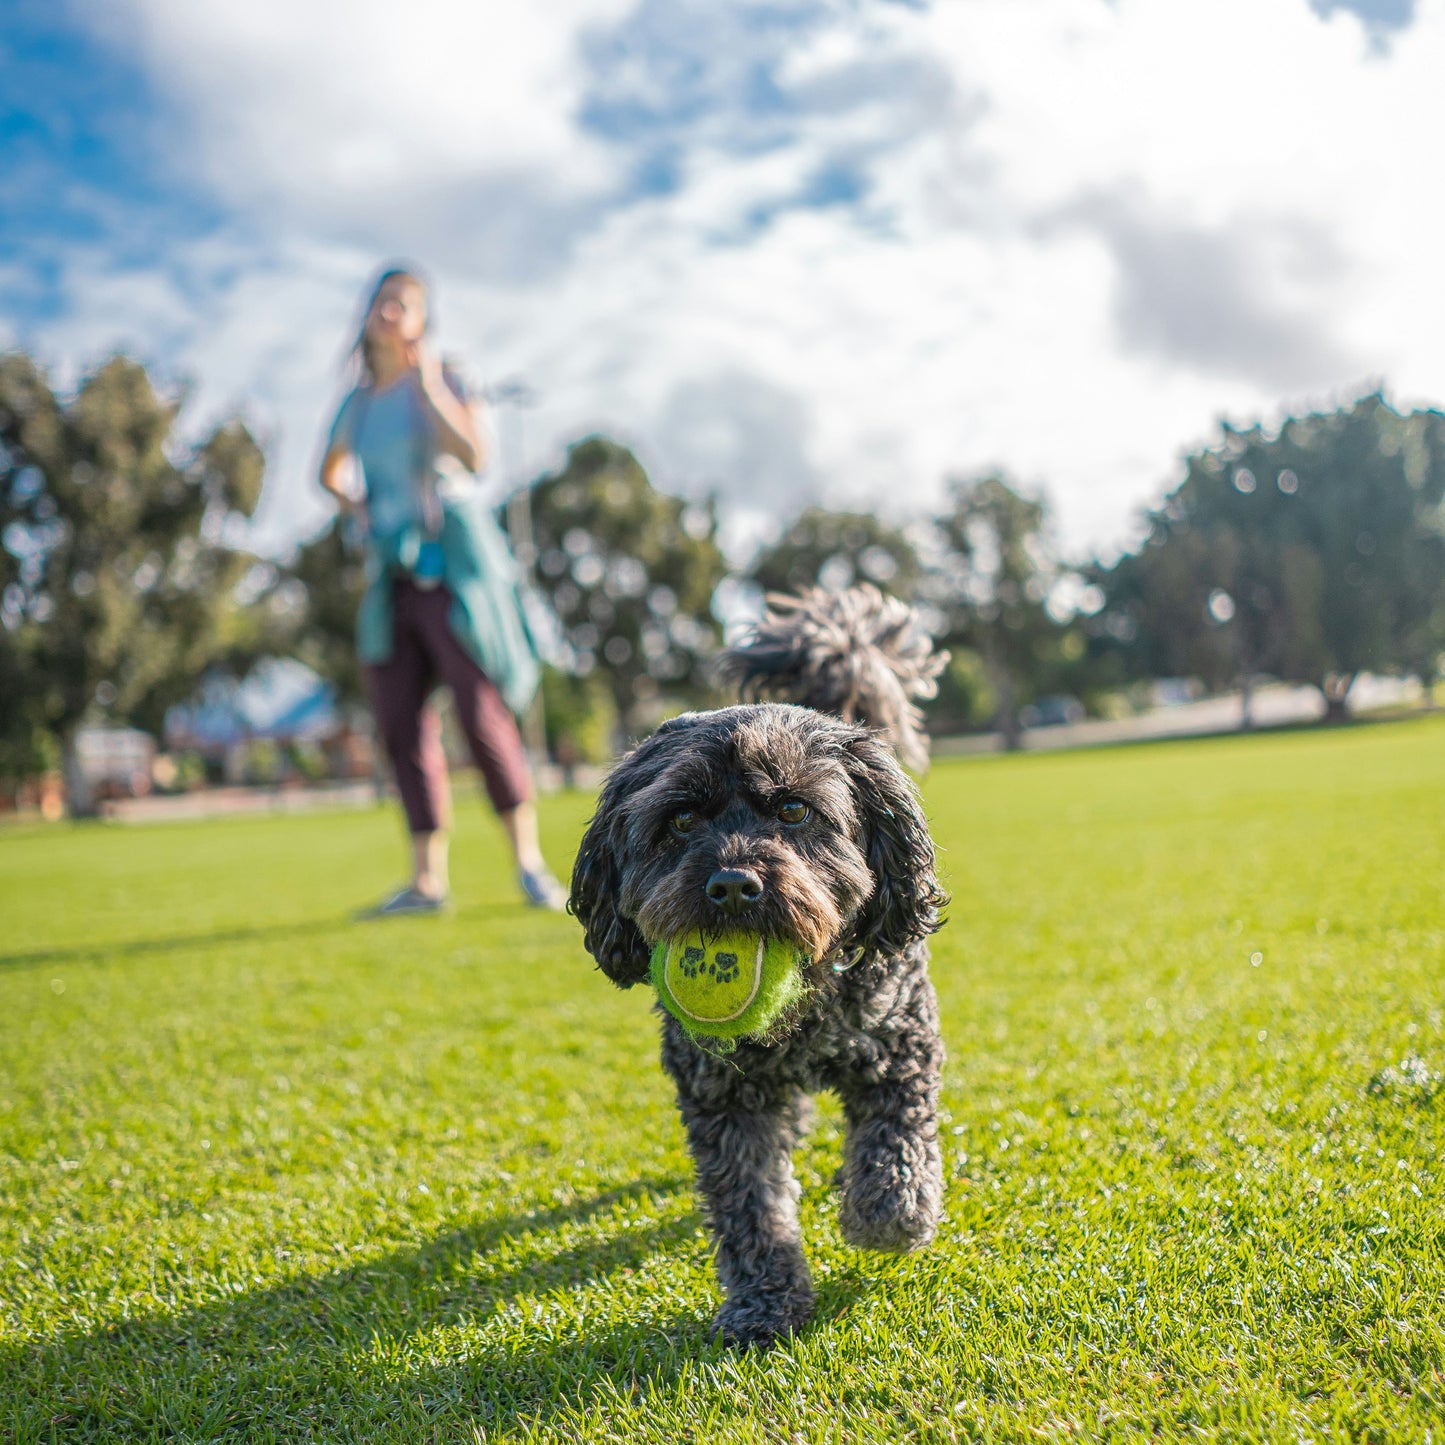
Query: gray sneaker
542	890
403	902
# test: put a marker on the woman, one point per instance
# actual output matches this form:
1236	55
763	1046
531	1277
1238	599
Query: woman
441	601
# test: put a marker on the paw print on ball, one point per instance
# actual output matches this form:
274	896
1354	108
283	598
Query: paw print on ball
723	967
726	968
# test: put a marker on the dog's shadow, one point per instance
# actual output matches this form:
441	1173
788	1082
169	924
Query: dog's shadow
322	1351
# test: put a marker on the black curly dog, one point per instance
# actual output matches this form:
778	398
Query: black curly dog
797	825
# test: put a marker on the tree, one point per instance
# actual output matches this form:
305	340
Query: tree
630	573
26	747
318	626
310	615
117	583
834	550
580	718
994	574
1311	553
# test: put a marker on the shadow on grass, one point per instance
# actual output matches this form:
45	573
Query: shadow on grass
137	947
218	938
345	1355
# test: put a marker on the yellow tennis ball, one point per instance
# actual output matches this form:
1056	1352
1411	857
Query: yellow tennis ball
729	987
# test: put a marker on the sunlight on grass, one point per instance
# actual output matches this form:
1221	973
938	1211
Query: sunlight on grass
268	1174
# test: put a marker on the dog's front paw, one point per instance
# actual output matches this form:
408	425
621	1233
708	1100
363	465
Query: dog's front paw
761	1320
892	1230
892	1202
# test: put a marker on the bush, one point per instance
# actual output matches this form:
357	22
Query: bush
966	701
581	718
309	760
263	762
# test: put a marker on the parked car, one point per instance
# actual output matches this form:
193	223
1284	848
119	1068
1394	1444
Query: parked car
1052	712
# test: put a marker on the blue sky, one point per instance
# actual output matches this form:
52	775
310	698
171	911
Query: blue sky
805	249
77	168
1383	16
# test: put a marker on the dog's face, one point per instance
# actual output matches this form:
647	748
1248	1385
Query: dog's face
769	819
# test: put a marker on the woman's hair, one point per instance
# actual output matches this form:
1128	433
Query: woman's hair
361	348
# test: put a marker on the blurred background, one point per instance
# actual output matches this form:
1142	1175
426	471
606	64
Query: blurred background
1108	333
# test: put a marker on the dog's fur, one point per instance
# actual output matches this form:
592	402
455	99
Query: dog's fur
854	886
859	655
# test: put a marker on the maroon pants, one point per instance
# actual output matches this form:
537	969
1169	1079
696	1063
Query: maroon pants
424	652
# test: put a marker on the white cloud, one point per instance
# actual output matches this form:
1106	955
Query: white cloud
1085	229
315	101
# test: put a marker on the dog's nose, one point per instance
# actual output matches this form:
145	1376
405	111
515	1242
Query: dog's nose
734	889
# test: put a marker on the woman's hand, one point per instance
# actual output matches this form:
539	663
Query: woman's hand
427	365
455	424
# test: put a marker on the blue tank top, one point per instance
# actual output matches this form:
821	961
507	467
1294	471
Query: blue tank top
390	435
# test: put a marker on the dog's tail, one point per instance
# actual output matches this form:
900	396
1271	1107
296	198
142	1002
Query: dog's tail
857	654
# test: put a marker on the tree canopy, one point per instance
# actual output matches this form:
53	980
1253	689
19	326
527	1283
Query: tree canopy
1311	553
118	572
834	550
994	575
630	573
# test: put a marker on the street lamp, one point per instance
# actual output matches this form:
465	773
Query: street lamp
517	396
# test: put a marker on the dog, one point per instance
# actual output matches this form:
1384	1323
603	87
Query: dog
790	823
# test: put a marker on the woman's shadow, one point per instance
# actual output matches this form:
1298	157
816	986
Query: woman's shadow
319	1355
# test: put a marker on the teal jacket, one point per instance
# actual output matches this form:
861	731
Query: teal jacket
486	613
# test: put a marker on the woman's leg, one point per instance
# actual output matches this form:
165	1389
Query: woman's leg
411	734
520	824
429	863
496	748
492	738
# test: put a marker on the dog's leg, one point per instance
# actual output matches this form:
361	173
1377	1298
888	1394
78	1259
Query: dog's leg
745	1176
892	1177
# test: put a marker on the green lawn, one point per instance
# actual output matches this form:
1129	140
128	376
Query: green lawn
266	1174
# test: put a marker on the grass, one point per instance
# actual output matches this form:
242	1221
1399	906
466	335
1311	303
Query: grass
266	1174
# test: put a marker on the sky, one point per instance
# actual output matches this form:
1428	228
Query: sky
794	251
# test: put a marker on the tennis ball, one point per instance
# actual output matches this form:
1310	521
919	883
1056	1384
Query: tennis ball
731	987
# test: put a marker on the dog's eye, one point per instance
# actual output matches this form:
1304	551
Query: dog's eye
682	821
794	811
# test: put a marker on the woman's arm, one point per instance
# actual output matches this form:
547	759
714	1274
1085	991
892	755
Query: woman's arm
332	465
333	479
457	430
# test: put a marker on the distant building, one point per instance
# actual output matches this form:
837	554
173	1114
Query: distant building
116	762
1175	691
282	701
237	726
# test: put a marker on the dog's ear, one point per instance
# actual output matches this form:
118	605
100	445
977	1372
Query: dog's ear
904	908
597	876
614	941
